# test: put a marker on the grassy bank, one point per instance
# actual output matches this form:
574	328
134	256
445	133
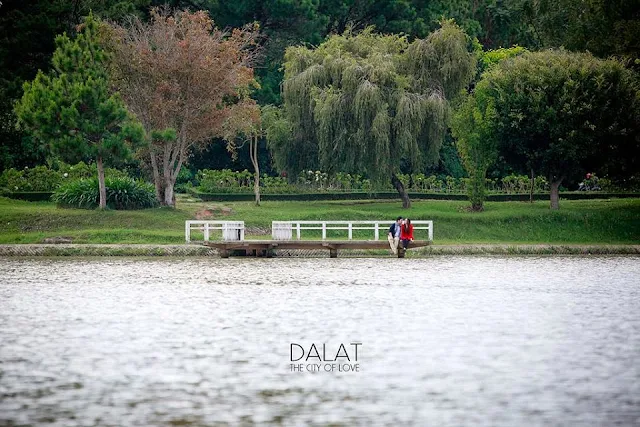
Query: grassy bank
599	222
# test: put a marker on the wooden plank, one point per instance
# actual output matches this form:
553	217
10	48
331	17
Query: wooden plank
309	244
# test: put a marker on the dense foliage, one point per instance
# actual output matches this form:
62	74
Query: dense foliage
28	28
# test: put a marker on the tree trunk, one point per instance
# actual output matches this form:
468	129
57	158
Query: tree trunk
169	195
157	180
406	202
169	174
253	153
102	189
555	194
533	181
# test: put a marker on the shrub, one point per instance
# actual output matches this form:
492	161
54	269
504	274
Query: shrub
42	178
12	180
184	180
39	178
82	170
122	194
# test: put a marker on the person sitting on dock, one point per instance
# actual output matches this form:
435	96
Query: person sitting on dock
406	233
394	235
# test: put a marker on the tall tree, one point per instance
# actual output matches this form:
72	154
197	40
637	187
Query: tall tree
363	103
472	126
558	113
73	109
245	125
179	72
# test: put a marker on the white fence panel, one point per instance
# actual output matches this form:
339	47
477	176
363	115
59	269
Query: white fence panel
283	230
231	230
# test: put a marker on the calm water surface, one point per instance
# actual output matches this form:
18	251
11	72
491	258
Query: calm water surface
446	341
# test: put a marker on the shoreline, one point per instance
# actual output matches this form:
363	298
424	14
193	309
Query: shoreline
195	250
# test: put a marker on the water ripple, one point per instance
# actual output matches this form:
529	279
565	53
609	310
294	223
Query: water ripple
483	341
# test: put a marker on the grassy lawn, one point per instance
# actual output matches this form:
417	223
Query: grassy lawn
614	221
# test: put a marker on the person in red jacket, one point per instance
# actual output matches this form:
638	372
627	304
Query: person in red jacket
406	233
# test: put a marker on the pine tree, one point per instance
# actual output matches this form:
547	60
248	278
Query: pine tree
73	111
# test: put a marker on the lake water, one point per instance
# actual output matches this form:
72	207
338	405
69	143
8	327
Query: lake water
442	341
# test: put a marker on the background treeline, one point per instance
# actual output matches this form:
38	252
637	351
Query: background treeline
28	27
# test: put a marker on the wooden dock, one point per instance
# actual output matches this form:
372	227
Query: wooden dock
267	247
228	236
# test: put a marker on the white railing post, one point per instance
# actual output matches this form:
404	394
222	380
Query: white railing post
324	231
187	231
298	230
377	232
206	231
350	231
242	233
430	224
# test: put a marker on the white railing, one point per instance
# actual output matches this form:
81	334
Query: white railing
231	230
283	230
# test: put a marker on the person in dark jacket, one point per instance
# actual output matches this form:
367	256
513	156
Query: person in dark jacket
394	235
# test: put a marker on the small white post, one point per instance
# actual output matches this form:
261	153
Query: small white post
206	231
242	231
187	231
324	231
431	231
298	230
377	232
350	231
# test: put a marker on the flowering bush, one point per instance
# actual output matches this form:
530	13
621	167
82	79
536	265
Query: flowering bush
42	178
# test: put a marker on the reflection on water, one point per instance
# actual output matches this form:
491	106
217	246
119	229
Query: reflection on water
445	341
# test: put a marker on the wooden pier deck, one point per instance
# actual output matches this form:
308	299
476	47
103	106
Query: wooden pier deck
287	235
267	247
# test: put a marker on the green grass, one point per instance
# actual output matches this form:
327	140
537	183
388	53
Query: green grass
615	221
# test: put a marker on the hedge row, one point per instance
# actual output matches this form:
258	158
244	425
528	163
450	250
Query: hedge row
30	196
38	196
229	197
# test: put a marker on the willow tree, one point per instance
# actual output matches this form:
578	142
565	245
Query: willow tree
365	103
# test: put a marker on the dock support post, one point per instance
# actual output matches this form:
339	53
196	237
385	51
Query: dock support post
333	253
224	253
401	252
